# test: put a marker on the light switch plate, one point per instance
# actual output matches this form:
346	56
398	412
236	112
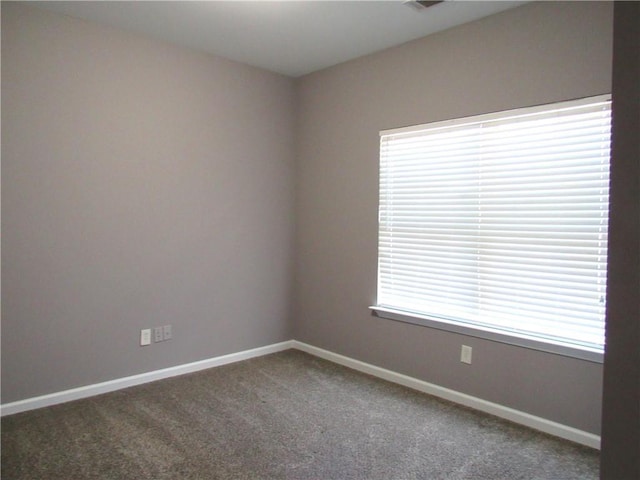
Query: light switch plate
145	337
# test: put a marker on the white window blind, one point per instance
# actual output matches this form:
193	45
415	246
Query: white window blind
500	221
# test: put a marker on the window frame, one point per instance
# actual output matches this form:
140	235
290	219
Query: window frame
468	327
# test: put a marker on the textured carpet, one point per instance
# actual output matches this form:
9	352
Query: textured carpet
283	416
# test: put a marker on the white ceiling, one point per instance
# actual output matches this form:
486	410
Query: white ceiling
289	37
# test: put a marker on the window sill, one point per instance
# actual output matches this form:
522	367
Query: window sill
489	334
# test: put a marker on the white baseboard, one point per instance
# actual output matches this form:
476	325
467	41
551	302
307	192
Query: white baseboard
120	383
538	423
516	416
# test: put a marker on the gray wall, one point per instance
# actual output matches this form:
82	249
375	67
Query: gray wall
538	53
143	184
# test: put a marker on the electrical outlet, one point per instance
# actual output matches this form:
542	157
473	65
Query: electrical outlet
145	337
465	354
157	334
166	332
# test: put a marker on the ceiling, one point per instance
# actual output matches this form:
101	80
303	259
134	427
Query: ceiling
289	37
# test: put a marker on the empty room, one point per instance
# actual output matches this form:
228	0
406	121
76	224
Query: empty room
320	240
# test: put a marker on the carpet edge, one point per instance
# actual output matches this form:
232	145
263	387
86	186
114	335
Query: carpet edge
139	379
537	423
522	418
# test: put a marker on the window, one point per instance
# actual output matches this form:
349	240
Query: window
496	225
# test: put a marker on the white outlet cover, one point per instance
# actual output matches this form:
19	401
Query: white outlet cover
157	334
465	354
167	333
